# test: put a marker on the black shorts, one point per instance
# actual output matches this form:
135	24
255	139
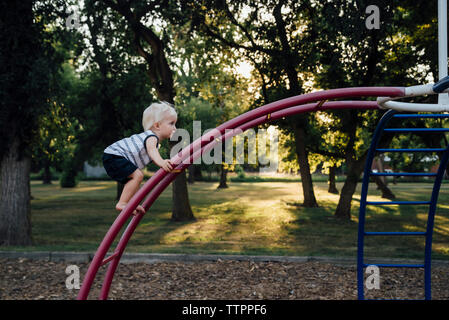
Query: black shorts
118	167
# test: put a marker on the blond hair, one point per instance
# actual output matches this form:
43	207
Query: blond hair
156	112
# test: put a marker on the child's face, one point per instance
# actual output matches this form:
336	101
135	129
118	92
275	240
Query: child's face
167	126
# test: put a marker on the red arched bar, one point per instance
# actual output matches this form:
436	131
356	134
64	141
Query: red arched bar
161	179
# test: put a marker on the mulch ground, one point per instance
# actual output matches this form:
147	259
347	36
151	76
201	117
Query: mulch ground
24	279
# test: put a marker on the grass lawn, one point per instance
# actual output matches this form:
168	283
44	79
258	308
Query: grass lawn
246	218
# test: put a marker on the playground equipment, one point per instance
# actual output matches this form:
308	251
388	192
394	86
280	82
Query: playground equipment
432	203
311	102
395	106
161	179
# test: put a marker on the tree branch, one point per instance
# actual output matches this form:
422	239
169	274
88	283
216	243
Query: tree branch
323	152
159	70
253	48
242	28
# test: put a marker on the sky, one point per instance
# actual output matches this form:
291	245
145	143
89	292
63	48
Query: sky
244	68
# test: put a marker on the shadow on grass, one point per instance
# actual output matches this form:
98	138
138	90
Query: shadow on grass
319	232
244	219
405	218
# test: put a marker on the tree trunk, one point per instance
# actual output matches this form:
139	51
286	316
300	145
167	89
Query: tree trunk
181	210
386	192
344	204
355	169
120	187
198	173
15	207
191	178
380	166
304	169
223	177
332	183
288	58
46	177
194	174
181	205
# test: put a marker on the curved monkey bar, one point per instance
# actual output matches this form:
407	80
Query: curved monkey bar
161	179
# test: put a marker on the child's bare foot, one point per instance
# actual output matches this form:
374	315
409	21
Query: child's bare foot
139	210
120	206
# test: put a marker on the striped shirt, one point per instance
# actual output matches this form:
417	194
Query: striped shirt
133	148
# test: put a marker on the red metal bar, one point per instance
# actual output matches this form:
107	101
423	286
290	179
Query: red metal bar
154	194
287	103
249	117
119	251
112	256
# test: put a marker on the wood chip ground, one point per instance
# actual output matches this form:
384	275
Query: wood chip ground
24	279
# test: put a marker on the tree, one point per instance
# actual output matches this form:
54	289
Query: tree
276	47
28	62
56	134
111	86
107	96
56	129
206	72
152	48
352	55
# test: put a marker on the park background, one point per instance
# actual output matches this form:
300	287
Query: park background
77	75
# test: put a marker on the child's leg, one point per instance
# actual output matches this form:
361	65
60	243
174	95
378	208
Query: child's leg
130	189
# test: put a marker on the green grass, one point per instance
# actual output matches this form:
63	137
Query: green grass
247	218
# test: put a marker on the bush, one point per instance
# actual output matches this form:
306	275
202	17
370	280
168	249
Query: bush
68	176
240	172
55	175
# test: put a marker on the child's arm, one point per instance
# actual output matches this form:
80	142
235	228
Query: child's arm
152	151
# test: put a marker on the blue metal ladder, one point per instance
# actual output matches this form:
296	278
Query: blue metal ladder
381	127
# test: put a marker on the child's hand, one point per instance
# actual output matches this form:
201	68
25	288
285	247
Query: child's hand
167	165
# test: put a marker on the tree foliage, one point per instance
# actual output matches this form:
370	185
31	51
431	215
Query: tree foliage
29	64
29	67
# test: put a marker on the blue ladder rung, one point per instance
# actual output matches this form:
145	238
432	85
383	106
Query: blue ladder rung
417	130
368	172
395	233
393	299
397	202
412	150
394	265
416	174
421	115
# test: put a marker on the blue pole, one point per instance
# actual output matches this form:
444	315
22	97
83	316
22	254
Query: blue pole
366	177
430	223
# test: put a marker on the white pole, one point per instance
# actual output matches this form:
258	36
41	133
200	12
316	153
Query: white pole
442	47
